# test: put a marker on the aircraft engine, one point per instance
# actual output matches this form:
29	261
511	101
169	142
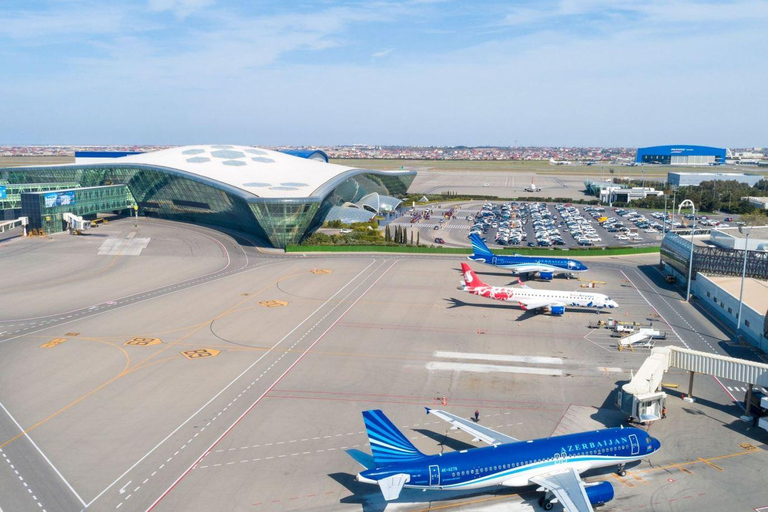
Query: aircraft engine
546	276
557	310
599	493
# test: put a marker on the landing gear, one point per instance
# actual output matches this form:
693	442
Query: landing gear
621	471
545	502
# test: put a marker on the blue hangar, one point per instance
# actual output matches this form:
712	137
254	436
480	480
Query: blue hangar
681	155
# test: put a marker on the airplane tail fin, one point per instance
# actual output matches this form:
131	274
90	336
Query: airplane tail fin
478	246
388	444
470	278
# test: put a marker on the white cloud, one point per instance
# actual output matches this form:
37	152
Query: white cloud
382	53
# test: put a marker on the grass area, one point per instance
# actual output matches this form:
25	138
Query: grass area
611	251
23	161
538	166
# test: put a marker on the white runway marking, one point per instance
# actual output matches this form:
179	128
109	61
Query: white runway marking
42	454
499	357
488	368
123	246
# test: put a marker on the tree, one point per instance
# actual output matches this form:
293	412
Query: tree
418	238
387	235
411	237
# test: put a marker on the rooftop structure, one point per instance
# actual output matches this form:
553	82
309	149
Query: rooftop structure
276	197
682	179
731	238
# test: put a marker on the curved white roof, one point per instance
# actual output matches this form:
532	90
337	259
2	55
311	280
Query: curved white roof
261	172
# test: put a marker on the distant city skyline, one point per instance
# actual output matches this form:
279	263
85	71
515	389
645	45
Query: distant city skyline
561	73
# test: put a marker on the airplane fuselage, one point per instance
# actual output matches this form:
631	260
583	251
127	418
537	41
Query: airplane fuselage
514	464
518	263
573	299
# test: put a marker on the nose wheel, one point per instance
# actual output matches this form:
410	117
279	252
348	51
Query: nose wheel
621	471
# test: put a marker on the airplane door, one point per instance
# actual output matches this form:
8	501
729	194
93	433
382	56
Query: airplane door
434	475
635	445
493	261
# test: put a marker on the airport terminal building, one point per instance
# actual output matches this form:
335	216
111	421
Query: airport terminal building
681	155
276	197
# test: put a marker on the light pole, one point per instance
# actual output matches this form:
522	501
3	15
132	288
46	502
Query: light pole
743	275
688	202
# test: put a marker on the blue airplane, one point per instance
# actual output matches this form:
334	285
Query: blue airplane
545	266
554	463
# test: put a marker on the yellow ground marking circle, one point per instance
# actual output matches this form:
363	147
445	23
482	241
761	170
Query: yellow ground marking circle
143	342
53	343
321	271
202	352
273	303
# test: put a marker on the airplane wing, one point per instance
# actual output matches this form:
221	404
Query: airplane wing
479	432
531	304
568	488
524	268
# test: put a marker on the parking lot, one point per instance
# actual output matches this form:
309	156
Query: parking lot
534	224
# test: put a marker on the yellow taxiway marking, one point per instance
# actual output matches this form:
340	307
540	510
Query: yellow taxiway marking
53	343
71	334
128	369
200	353
273	303
143	342
317	271
710	464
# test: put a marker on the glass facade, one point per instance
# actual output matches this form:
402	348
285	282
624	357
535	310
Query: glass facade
175	195
45	209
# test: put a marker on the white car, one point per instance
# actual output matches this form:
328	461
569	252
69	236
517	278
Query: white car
622	237
345	231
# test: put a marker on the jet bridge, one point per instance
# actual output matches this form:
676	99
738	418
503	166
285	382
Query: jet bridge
642	399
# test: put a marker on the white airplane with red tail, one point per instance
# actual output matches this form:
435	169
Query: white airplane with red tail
537	301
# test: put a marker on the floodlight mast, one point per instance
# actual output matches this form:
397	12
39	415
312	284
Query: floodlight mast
685	203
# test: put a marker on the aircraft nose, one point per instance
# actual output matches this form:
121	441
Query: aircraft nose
655	444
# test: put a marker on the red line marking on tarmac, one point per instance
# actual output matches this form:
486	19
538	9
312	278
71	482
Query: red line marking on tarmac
271	387
331	492
403	402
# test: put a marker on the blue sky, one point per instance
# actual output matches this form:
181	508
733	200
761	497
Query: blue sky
413	72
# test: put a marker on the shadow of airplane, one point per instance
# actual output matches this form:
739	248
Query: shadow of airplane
445	440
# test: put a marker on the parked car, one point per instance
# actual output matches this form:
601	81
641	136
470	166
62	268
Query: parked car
439	241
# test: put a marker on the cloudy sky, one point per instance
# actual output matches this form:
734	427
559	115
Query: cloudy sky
415	72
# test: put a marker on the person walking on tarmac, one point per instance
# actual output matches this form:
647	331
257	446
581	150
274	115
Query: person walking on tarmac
477	416
664	412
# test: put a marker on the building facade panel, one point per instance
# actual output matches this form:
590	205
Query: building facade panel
681	155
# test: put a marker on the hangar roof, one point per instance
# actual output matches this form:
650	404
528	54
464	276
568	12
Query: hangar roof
261	172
